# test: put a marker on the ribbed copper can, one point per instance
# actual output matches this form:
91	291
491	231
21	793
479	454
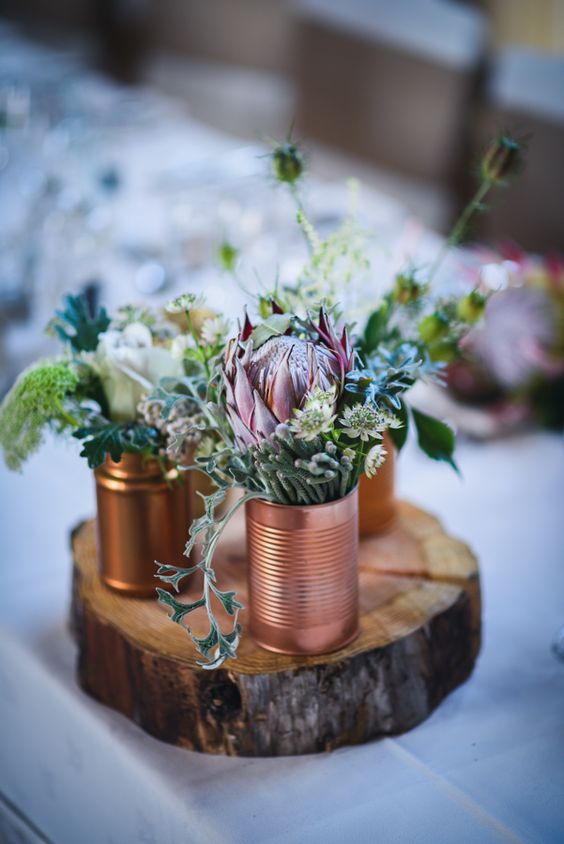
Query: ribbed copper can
143	515
377	505
303	575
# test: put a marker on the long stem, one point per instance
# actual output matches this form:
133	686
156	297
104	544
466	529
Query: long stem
460	227
200	348
65	415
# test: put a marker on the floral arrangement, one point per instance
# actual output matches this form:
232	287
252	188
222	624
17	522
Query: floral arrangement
97	389
287	417
296	408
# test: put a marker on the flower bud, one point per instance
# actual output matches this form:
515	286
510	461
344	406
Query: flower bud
288	162
471	307
407	289
501	159
433	327
443	352
228	255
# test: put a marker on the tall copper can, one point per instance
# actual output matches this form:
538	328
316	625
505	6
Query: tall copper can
143	515
303	575
377	507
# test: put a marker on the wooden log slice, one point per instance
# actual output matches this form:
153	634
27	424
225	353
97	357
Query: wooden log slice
420	635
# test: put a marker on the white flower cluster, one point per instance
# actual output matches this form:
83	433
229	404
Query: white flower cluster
183	303
366	422
316	417
214	330
374	459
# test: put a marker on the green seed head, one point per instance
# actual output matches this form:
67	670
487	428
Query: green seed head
471	307
289	163
501	159
433	327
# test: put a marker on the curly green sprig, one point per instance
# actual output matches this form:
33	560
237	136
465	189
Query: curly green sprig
35	402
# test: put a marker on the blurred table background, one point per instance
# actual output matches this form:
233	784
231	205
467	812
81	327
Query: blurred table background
126	191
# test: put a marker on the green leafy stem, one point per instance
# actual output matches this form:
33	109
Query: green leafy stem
216	646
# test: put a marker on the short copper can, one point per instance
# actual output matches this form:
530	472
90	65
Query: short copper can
377	506
143	515
303	575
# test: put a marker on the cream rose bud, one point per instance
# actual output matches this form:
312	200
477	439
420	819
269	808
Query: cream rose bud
130	366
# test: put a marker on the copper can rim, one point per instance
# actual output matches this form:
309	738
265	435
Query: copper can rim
306	507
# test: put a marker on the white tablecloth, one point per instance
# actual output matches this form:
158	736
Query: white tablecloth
488	765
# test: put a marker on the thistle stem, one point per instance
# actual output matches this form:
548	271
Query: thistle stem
459	227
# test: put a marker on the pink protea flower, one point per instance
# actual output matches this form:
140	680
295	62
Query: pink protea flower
265	385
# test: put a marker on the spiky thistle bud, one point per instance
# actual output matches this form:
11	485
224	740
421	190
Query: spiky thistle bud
288	162
406	289
501	159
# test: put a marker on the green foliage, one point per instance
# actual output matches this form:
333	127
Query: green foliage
228	254
114	438
207	529
274	326
36	401
388	374
435	438
374	332
76	327
293	471
399	435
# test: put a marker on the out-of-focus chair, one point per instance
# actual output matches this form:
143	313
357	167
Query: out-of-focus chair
253	33
390	80
525	94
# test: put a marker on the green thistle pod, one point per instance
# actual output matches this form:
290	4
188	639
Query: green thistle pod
501	159
471	307
406	289
433	327
289	163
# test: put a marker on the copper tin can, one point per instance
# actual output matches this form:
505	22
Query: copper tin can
303	575
143	516
377	506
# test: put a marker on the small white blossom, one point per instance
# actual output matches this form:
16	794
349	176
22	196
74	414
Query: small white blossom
374	459
214	330
183	303
310	422
179	345
391	420
320	398
364	421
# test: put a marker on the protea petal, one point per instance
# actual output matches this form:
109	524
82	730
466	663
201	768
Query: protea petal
243	393
244	435
247	329
313	368
265	385
281	397
264	422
